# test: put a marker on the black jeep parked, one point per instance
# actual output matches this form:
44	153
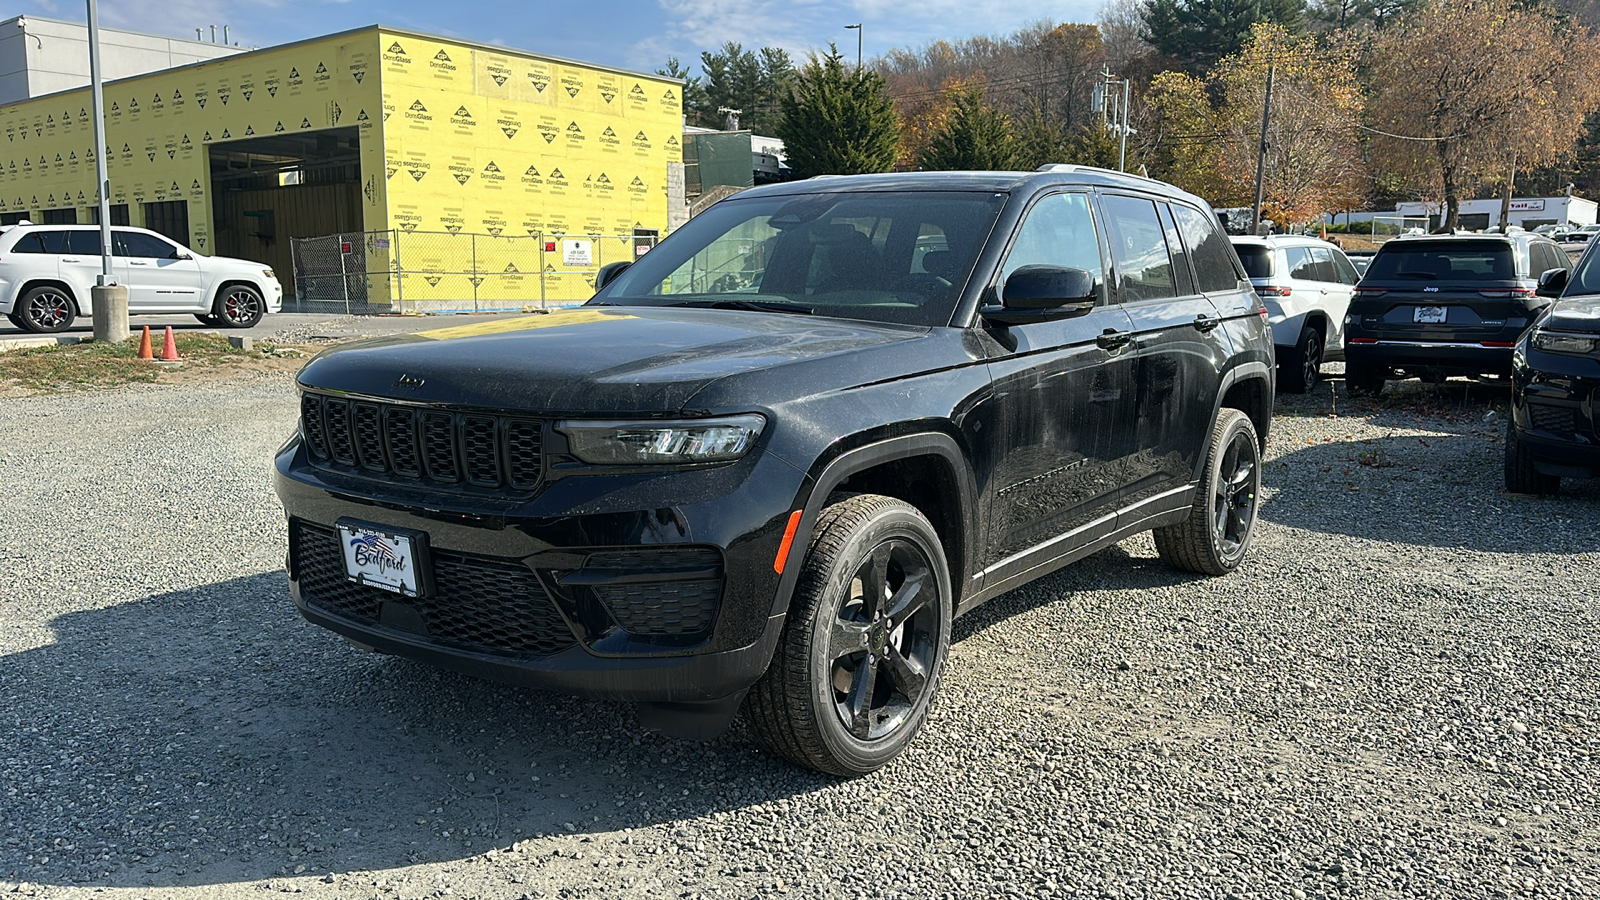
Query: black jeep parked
1554	431
1441	305
768	463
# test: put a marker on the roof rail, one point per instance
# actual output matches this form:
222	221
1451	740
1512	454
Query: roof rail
1068	168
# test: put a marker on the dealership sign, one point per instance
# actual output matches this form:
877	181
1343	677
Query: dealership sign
1528	205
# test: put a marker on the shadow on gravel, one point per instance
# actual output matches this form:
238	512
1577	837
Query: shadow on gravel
1435	481
211	736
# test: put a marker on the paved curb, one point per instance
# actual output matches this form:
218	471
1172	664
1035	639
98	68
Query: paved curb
23	343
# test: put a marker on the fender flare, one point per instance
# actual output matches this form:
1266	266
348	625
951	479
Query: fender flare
841	467
1245	371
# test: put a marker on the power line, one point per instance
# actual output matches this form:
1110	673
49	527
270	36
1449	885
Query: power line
1354	124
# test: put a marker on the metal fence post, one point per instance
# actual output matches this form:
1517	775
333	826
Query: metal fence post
344	278
399	278
540	239
475	273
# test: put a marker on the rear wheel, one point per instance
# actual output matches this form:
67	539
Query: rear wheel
1300	369
1363	381
1521	476
1221	523
864	642
45	310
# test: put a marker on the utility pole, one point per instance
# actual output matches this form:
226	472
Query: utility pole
1261	153
1105	104
109	299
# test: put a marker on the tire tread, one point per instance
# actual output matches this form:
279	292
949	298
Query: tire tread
1188	545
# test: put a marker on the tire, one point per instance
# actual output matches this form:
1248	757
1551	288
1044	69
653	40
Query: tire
1215	537
1363	381
15	320
1300	369
847	689
208	318
239	306
45	310
1521	476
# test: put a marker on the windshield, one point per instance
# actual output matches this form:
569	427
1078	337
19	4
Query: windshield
899	257
1585	278
1435	261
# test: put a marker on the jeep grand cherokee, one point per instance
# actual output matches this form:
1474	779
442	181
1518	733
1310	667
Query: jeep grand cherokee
768	463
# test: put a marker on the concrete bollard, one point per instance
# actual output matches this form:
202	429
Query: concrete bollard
110	312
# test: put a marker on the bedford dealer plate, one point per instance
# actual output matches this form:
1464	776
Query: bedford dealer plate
1428	315
380	558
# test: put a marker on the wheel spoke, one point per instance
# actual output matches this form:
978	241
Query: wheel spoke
859	703
846	638
908	674
874	575
908	600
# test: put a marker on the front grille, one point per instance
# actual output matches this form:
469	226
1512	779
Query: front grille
683	600
479	603
1561	420
389	439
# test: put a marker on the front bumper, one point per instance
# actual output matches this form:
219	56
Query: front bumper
516	594
1554	411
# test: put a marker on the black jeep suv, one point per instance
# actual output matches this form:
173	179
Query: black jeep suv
1554	430
1436	306
768	463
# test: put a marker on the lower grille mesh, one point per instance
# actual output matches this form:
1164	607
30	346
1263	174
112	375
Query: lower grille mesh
479	603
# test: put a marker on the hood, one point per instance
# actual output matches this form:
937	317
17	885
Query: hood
1578	314
607	360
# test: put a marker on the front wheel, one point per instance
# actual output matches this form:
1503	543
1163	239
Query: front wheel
1521	476
239	306
864	642
1214	538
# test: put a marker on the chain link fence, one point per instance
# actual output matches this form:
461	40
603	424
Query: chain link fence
402	271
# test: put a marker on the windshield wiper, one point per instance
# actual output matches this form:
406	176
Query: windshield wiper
755	305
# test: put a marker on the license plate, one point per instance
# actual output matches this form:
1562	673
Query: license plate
1428	315
380	558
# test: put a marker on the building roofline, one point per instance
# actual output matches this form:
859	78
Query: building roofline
160	37
350	32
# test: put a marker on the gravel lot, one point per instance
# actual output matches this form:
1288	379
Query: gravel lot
1395	697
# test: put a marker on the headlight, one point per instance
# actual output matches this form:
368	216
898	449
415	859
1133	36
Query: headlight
1558	342
663	442
268	273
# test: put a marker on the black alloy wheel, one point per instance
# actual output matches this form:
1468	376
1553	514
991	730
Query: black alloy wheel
1215	537
45	310
864	642
239	306
1301	368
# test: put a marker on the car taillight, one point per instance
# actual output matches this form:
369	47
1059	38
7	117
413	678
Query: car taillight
1520	293
1362	292
1273	291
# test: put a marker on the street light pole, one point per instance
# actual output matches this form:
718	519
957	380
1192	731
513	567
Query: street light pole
857	28
108	299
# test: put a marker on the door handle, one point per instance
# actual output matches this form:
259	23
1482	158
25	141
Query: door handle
1112	339
135	262
1204	324
70	259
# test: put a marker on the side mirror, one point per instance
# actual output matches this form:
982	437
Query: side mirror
183	254
1043	294
608	273
1552	282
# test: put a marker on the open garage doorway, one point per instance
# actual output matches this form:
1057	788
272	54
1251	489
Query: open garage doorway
268	190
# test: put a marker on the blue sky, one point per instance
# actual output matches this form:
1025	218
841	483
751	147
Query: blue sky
633	34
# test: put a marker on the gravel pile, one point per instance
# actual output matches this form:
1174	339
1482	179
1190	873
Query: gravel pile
1394	698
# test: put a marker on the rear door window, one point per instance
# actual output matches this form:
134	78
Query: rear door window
1138	249
1209	250
84	243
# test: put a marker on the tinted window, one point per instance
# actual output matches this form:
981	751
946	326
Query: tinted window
135	243
1138	249
1180	259
1209	252
1343	268
1403	260
86	243
1300	263
1324	264
1256	258
42	242
1585	277
888	257
1059	231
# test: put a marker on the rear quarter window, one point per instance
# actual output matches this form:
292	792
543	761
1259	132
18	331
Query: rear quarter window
1256	258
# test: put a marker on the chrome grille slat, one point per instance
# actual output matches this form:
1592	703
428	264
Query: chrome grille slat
466	449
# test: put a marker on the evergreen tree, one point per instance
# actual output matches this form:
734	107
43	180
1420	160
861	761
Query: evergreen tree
973	136
837	122
1197	33
1039	143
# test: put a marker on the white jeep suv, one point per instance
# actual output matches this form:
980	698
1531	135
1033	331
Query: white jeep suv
46	272
1306	285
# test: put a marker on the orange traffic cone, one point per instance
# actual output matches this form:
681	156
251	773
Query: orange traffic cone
169	350
144	344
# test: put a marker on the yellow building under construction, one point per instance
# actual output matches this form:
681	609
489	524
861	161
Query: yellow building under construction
448	173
